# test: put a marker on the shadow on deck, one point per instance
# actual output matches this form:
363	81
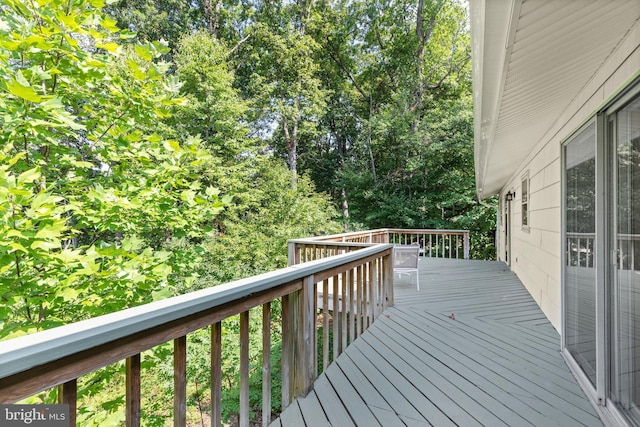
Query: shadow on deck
471	348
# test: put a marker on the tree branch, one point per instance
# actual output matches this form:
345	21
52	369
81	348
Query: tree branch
238	45
347	72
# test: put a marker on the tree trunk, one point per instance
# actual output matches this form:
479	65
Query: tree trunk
344	205
212	16
373	162
292	148
423	33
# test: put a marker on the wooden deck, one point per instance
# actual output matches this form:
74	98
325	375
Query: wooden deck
471	348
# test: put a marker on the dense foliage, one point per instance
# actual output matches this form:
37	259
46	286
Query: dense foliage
138	166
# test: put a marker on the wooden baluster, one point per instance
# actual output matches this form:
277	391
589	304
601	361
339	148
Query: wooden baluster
373	287
244	369
430	244
444	253
325	324
180	382
365	296
344	300
336	317
132	416
359	306
216	374
310	331
286	352
352	306
68	395
380	285
266	364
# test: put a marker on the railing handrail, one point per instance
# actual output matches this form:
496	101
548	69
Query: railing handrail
24	353
333	244
426	230
385	230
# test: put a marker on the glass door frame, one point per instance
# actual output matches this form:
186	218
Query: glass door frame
593	392
606	256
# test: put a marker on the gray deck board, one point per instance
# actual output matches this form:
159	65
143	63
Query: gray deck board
496	363
312	409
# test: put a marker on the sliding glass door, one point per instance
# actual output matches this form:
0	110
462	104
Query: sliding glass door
625	291
580	266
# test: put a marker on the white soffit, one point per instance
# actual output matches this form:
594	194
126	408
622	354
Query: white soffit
531	58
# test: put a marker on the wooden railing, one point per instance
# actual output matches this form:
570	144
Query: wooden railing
433	243
348	277
355	285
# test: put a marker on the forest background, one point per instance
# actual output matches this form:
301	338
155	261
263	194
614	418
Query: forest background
154	147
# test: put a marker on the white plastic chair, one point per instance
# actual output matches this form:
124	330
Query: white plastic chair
405	260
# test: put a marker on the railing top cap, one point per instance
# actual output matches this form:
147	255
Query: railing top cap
382	231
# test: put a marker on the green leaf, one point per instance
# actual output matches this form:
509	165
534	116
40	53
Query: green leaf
172	145
17	247
144	51
108	23
48	233
14	233
20	79
110	47
69	294
29	176
45	245
21	90
16	158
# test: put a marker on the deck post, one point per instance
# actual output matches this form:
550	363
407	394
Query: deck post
303	342
292	253
387	278
466	245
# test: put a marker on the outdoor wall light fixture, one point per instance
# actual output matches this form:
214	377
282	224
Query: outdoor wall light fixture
509	196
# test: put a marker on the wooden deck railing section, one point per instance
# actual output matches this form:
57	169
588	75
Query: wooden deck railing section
433	243
355	285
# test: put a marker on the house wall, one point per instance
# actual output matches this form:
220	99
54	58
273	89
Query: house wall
535	253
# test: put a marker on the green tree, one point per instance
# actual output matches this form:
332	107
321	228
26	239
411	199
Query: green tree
89	197
280	76
213	108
